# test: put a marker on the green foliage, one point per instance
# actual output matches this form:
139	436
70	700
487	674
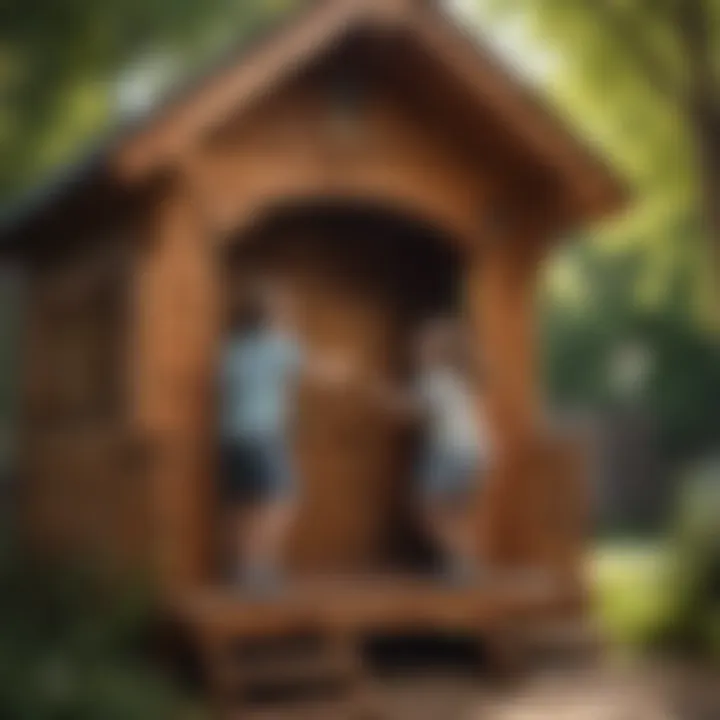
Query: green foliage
59	60
594	313
631	602
693	582
621	75
619	72
668	594
68	652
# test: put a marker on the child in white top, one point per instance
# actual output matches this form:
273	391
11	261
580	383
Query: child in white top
456	450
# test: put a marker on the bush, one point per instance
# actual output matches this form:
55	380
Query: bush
69	653
693	582
629	584
667	594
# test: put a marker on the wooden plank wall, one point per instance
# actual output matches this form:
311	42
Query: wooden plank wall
82	490
304	143
298	145
285	152
176	320
535	509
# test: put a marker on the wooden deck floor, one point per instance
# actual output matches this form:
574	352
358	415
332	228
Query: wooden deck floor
374	604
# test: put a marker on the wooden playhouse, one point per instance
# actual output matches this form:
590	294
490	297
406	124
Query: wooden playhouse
387	167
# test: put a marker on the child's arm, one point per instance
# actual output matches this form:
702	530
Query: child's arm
317	366
325	366
329	369
336	369
399	401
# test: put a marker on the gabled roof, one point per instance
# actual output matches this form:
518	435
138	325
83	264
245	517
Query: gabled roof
157	140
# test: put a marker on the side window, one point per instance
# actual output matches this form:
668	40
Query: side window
79	339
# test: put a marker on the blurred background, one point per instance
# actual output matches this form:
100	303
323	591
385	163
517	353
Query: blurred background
630	315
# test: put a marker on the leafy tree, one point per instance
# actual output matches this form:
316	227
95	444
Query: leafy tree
59	62
642	77
692	582
598	314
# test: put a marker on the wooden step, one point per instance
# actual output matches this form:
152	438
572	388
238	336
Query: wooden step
572	634
330	665
569	644
334	709
327	671
373	604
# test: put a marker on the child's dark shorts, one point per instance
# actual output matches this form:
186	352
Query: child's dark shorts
448	476
256	470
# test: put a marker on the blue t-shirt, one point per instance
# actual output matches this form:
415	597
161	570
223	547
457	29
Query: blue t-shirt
259	372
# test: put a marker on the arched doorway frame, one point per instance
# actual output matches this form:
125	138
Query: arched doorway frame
372	242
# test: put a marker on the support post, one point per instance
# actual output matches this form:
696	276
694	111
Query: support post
503	273
177	325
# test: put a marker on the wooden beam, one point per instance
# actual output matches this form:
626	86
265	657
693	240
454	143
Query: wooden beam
177	317
502	279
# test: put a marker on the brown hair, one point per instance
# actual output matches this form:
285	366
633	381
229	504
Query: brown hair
446	337
247	308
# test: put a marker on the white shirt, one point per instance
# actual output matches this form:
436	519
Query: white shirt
455	416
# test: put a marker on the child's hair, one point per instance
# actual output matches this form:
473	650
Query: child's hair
250	306
444	340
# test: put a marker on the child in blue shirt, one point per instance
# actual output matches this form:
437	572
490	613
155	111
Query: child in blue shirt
262	363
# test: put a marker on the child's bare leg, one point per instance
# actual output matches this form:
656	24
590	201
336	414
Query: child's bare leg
234	540
264	538
448	527
439	523
465	540
270	531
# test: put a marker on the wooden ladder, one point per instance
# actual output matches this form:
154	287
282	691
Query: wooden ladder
311	676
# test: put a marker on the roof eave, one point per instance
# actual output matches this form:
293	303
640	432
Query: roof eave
593	190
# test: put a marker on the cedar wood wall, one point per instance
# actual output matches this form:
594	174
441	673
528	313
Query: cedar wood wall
83	489
293	147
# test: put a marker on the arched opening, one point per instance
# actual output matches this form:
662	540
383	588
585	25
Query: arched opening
364	279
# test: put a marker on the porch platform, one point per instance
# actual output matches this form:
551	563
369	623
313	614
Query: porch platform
352	606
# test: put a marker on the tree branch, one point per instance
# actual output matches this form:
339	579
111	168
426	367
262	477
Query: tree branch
635	44
694	25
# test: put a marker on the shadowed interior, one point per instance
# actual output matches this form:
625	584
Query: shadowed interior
364	279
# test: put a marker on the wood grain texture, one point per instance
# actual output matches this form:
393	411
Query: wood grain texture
83	488
425	32
373	211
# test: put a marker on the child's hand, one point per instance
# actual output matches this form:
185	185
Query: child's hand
393	399
338	370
